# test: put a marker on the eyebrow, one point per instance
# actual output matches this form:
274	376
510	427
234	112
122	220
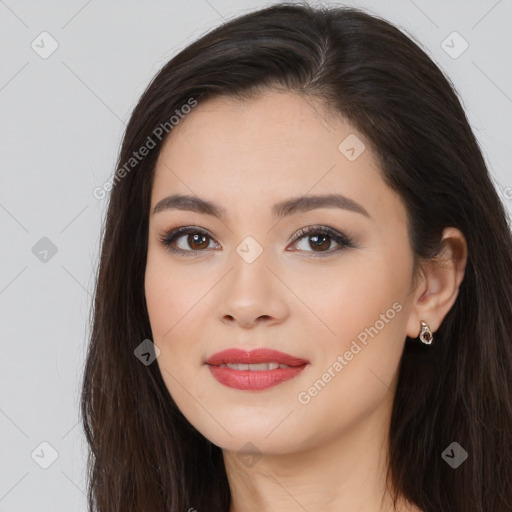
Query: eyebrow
282	209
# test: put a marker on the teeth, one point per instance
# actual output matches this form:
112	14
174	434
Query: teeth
255	367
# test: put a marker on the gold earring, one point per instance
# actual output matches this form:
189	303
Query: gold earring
426	335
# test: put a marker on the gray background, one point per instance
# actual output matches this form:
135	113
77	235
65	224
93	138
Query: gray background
61	122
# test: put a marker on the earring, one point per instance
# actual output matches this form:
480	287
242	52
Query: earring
426	335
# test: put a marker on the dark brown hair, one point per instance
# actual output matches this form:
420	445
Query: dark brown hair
145	455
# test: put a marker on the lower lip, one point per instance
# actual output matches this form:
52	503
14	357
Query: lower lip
254	380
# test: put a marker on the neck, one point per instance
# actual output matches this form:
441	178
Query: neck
346	472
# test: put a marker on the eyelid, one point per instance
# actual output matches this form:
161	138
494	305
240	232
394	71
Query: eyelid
326	230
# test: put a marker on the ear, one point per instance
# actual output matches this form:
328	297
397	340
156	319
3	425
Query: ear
438	286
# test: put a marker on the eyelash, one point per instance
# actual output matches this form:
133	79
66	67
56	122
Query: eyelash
344	242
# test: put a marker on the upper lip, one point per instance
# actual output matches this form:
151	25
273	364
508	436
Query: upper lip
258	355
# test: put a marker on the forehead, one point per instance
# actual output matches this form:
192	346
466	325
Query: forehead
268	148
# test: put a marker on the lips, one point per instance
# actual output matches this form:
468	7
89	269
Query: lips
254	370
260	355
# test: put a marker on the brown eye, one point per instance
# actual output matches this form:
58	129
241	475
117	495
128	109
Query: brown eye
197	241
191	240
187	241
319	240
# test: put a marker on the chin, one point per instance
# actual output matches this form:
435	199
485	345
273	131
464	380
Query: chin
269	434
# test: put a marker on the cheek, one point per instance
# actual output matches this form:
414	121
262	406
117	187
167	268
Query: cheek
350	296
173	294
355	367
178	306
170	298
362	306
160	300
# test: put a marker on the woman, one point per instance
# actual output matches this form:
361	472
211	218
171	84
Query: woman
304	294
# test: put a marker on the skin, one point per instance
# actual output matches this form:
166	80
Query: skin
329	454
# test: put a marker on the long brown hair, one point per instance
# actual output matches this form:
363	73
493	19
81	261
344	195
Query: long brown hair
144	454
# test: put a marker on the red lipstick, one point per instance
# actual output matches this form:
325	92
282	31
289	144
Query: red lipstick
267	368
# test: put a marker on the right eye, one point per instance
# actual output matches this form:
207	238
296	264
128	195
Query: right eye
196	239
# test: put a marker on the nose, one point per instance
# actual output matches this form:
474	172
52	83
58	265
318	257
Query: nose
252	294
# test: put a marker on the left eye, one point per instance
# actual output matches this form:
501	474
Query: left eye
320	239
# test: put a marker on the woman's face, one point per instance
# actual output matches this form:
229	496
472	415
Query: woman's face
242	281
